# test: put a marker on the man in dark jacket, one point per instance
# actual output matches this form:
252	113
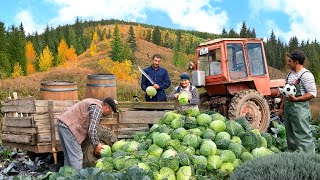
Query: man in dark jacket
161	78
78	122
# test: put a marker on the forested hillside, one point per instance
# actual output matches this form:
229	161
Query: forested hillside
118	47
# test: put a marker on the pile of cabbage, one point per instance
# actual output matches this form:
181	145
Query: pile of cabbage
191	144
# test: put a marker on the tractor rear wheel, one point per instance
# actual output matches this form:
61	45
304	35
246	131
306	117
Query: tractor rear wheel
105	136
251	105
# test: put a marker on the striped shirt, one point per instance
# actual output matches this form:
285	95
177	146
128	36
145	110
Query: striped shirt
307	81
95	113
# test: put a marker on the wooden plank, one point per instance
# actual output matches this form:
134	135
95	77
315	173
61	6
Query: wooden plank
133	129
38	148
56	103
15	130
18	121
19	105
138	117
125	136
147	105
23	139
46	137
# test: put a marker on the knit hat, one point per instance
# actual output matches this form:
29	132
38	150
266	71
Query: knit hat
184	76
111	102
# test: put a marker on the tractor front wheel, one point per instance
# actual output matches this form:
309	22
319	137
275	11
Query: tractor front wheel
251	105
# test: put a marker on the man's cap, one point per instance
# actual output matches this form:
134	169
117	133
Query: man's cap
184	76
111	102
296	55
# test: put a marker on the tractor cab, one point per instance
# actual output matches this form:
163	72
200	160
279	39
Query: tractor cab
234	73
225	65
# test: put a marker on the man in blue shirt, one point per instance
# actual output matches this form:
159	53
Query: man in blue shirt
161	78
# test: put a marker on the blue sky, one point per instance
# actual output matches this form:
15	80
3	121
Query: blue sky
286	18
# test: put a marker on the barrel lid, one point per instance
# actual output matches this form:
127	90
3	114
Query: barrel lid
101	76
58	83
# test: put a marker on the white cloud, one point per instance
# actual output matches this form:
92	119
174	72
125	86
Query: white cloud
28	23
190	14
303	17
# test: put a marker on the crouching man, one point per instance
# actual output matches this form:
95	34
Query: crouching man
78	122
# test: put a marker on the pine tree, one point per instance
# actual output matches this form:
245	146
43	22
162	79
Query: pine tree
132	40
224	33
166	40
116	45
233	34
156	36
244	30
148	36
5	65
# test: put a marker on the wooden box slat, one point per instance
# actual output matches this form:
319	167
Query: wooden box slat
147	117
18	121
19	106
19	130
23	139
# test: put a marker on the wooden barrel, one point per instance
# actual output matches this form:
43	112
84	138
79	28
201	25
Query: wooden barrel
100	86
58	90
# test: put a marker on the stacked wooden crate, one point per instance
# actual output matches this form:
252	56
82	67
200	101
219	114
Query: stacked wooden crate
27	123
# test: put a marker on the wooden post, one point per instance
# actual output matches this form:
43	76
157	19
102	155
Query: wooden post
53	131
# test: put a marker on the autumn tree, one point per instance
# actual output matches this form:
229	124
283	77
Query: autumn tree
93	46
46	58
31	57
62	49
17	70
71	55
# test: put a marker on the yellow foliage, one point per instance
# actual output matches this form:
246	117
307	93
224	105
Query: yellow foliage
62	48
93	49
122	70
95	37
71	54
17	70
31	56
45	61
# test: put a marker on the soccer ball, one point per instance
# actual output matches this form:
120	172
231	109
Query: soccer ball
289	89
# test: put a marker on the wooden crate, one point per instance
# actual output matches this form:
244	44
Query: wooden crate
134	117
27	122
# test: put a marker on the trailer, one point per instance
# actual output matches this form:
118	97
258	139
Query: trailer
29	124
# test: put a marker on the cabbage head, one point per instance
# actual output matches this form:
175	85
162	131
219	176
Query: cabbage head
227	156
183	98
105	163
218	117
259	152
165	173
204	120
105	151
218	126
191	140
132	146
170	162
199	162
162	140
155	151
208	147
144	166
208	134
184	173
214	162
179	133
226	169
151	91
169	153
118	145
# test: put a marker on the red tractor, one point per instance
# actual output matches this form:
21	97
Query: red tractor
234	73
